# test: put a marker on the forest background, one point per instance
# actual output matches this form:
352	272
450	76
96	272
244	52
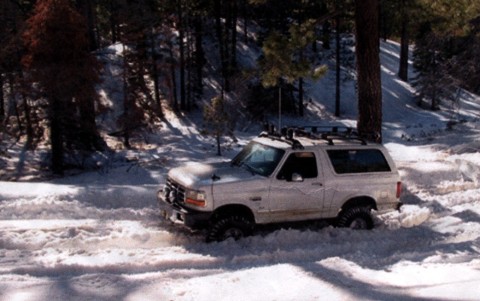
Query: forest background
53	53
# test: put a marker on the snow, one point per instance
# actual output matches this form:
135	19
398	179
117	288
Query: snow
98	235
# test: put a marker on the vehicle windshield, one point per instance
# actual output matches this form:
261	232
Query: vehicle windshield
258	158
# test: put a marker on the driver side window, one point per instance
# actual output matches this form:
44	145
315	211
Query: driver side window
301	163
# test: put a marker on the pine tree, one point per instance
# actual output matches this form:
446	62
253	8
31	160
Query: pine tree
285	58
217	120
302	35
59	60
434	80
402	18
139	35
467	68
452	57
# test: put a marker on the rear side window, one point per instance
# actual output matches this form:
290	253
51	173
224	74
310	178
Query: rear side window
358	161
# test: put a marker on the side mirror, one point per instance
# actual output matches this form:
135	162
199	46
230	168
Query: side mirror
296	177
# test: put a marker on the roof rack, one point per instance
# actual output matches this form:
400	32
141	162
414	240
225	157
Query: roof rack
271	132
275	136
327	133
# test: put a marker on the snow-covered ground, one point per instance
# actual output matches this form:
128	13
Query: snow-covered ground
98	235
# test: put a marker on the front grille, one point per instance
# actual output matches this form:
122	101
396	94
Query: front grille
174	192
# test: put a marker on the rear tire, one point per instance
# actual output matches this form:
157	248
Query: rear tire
234	226
357	218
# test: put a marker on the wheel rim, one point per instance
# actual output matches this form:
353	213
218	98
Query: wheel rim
235	233
358	224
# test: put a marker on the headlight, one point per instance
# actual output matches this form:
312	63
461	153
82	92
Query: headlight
196	198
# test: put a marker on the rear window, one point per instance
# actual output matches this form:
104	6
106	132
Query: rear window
358	161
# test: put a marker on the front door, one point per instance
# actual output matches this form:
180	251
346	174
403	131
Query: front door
297	190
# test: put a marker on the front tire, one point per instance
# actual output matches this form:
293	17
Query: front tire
234	226
357	218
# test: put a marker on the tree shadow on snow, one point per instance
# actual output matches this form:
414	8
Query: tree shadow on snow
360	289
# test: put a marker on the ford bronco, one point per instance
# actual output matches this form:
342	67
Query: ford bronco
300	174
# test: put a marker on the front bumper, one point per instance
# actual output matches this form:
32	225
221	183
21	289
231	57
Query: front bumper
179	214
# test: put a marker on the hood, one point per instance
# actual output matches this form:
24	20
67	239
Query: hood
196	175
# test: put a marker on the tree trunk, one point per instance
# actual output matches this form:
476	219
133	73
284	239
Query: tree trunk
91	139
434	104
368	70
113	21
219	147
199	56
85	9
12	103
326	35
154	70
2	100
221	44
173	78
56	135
227	46
403	68
27	115
28	121
245	20
233	44
382	22
337	66
189	66
300	97
126	107
181	37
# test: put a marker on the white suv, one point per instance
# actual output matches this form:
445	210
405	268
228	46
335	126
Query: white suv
302	174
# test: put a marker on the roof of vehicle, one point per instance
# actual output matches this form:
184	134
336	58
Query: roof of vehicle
305	136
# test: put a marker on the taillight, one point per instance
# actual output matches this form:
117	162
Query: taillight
399	189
